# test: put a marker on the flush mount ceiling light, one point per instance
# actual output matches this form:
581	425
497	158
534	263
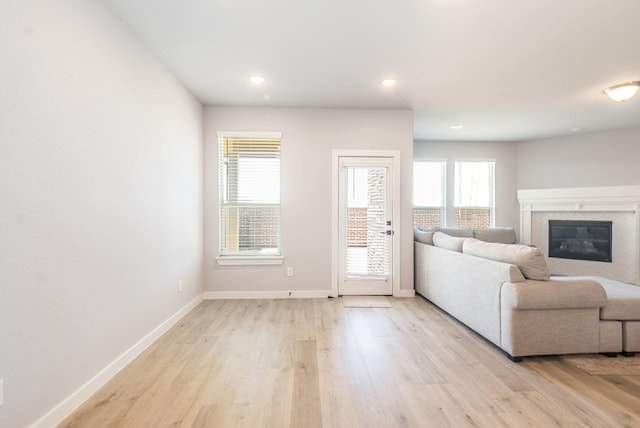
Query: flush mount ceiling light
623	91
388	83
257	80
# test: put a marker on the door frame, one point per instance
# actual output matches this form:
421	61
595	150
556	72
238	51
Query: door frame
394	155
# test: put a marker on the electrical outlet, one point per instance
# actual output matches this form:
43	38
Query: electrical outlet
180	286
289	271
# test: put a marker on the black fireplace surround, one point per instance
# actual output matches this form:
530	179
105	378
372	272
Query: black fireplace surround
580	240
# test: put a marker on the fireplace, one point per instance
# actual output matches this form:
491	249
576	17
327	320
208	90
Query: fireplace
580	240
619	205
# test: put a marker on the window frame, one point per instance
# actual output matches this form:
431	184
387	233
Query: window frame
246	257
492	205
443	190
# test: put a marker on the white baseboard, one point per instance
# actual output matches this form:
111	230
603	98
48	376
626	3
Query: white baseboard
72	402
291	294
405	293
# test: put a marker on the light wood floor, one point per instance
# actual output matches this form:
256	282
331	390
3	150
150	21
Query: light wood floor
304	363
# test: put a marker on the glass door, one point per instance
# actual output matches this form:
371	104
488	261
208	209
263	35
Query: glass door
366	226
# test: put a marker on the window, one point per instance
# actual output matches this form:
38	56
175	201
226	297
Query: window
429	193
469	202
249	220
474	193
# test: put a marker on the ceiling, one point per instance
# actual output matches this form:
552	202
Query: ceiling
505	70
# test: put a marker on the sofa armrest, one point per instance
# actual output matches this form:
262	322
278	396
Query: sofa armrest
553	294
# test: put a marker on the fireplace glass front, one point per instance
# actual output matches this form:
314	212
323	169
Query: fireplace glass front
580	240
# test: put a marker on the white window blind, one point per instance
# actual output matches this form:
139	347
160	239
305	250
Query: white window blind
429	193
474	193
249	195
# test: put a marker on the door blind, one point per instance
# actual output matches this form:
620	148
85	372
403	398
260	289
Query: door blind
367	240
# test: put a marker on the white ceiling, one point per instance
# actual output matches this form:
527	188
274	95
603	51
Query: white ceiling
506	70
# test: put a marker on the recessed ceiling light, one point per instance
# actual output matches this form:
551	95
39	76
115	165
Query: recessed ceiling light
577	129
623	91
388	83
456	127
257	80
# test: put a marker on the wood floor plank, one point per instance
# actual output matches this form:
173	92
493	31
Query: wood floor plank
306	363
306	410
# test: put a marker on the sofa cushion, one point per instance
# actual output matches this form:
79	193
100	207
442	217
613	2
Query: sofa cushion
423	236
458	232
445	241
578	294
623	300
530	260
501	235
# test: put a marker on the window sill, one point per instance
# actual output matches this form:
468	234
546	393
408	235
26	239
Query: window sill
250	260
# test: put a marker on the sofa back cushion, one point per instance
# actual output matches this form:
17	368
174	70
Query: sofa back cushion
501	235
530	260
452	243
423	236
458	232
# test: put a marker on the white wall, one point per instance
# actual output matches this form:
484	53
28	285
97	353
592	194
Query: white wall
507	209
309	136
597	159
100	198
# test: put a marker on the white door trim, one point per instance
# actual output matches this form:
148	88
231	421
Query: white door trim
335	170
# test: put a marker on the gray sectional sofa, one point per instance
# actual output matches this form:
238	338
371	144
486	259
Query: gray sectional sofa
504	292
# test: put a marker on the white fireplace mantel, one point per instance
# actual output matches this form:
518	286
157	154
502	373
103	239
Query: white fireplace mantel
623	196
585	201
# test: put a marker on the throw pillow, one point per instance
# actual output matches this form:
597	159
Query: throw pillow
531	261
422	236
448	242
